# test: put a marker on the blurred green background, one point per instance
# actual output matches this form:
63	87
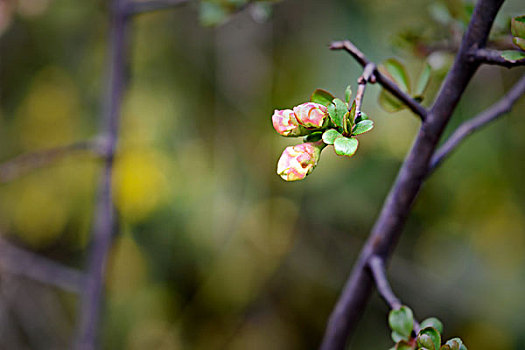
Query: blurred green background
215	251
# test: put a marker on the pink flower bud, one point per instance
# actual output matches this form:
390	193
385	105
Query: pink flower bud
286	124
311	114
298	161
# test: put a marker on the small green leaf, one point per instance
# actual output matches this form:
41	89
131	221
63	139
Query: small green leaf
456	344
512	55
396	337
445	347
362	117
314	137
401	321
403	345
432	322
345	146
389	102
330	136
362	127
322	96
337	110
348	94
520	42
517	26
423	80
212	13
429	338
396	71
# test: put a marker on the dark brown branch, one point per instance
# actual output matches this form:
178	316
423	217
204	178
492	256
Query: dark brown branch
398	204
494	57
138	7
25	163
104	226
386	83
467	128
377	267
18	261
366	77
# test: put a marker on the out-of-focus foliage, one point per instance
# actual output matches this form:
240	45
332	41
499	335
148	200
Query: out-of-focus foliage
215	250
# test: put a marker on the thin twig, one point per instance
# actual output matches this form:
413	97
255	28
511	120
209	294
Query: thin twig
498	109
25	163
18	261
397	207
138	7
105	224
366	77
377	267
386	83
494	57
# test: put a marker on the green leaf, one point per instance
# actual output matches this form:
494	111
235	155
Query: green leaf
432	322
389	102
456	344
337	110
512	55
362	127
401	321
212	13
362	117
396	337
517	26
396	71
348	94
424	79
403	345
520	42
345	146
429	338
322	96
313	137
330	136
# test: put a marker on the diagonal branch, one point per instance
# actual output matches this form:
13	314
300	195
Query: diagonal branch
386	83
138	7
501	107
21	262
397	207
494	57
25	163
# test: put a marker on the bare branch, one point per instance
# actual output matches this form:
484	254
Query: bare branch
25	163
494	57
377	267
138	7
366	77
397	207
386	83
21	262
501	107
104	222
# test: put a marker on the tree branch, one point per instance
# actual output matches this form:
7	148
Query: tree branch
494	57
398	204
366	77
25	163
18	261
104	227
501	107
386	83
138	7
377	267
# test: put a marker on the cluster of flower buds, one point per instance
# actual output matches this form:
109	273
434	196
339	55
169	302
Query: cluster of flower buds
324	121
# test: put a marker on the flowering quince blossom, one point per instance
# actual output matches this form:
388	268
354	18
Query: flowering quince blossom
311	114
298	161
286	124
